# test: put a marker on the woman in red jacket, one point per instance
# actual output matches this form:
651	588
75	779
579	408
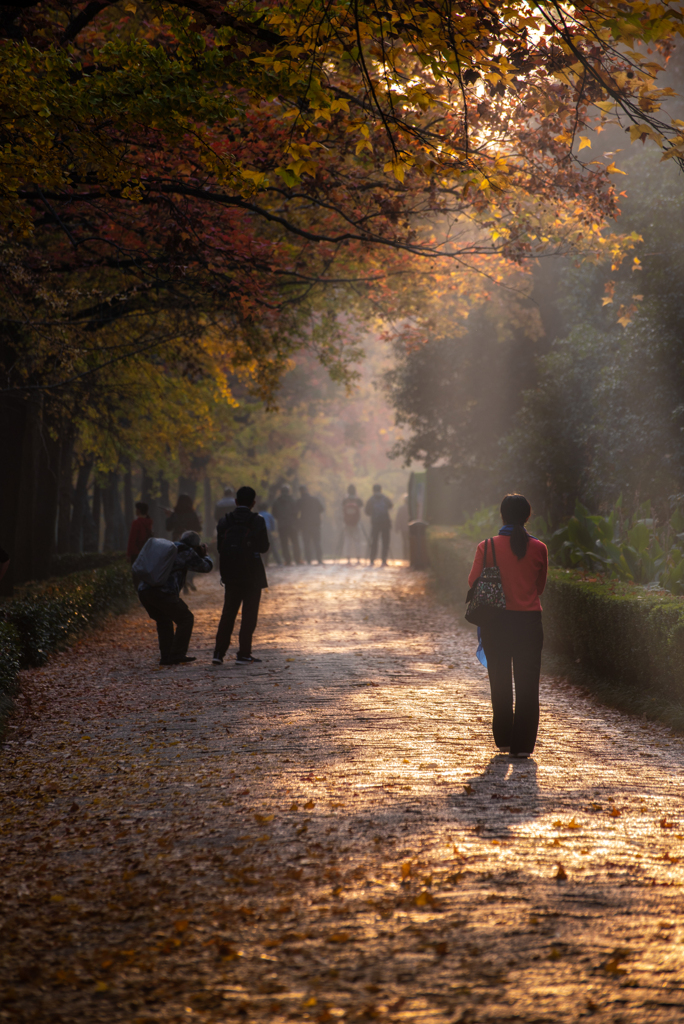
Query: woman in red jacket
514	636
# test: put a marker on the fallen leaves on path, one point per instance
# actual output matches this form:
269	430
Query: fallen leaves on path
343	843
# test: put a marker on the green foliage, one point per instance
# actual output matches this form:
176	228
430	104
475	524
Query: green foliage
627	548
483	523
65	565
47	615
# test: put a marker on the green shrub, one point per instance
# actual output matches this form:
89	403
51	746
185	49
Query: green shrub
65	565
47	615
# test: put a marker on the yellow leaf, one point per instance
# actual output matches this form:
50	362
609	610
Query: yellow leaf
294	806
339	937
309	805
638	298
406	869
606	300
263	819
624	320
612	169
101	986
585	143
56	897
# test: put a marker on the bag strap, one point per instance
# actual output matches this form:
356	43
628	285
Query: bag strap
484	562
491	541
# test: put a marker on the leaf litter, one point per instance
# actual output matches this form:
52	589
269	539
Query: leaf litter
139	884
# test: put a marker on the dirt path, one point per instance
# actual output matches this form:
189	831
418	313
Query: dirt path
329	836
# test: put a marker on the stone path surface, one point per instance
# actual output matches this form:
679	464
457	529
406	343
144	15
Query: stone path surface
329	836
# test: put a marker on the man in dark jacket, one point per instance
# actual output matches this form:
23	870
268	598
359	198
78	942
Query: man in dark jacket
310	510
165	605
242	538
377	507
285	511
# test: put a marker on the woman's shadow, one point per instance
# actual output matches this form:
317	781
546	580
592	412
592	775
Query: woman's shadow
504	794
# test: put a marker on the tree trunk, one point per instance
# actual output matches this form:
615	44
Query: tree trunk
91	529
128	496
157	509
34	538
115	527
66	495
13	424
77	527
187	486
23	536
147	490
208	508
45	503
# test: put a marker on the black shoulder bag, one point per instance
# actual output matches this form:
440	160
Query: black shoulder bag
486	596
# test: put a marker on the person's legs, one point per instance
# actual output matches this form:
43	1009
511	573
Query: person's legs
316	544
250	613
274	549
231	605
385	531
307	544
149	599
527	638
497	648
375	534
295	546
284	535
184	619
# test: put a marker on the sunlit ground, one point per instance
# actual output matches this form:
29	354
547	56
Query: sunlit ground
329	835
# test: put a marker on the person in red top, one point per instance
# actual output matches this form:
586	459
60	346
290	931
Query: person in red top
515	636
141	531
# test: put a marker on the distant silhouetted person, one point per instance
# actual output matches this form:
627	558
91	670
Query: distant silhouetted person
377	507
271	528
514	635
285	512
401	526
352	541
310	510
242	538
141	530
182	519
164	604
225	504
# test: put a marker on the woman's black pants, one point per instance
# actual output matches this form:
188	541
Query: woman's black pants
514	639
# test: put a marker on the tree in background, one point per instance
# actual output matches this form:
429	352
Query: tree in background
192	189
606	416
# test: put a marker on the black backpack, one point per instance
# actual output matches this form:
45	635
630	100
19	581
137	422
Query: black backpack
237	550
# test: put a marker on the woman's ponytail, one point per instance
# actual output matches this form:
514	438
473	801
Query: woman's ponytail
515	511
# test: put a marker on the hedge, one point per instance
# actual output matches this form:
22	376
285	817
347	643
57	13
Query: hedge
45	616
65	565
623	641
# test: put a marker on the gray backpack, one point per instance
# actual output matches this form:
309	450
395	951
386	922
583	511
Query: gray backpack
155	562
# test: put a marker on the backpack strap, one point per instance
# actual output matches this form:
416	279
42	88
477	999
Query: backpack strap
484	563
491	541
